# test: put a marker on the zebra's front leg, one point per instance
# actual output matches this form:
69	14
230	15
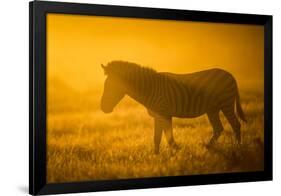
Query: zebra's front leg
158	129
163	123
168	130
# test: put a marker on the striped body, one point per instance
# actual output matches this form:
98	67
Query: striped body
191	95
168	95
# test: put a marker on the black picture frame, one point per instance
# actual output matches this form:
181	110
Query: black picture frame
37	96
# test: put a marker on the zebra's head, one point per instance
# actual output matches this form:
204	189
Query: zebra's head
113	92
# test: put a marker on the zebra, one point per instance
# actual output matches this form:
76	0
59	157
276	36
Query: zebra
167	95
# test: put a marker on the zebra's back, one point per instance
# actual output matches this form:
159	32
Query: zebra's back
203	91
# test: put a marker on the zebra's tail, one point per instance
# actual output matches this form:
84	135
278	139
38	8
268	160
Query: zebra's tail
239	108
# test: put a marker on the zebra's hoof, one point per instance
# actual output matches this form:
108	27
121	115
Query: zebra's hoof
176	147
210	145
156	152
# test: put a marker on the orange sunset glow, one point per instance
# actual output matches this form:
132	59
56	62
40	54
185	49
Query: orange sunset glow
77	45
84	143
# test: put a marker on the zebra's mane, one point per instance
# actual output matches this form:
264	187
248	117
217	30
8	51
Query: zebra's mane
124	69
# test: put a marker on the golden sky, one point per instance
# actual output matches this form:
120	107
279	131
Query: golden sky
77	45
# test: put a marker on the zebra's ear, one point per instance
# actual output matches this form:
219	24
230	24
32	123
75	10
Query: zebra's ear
104	69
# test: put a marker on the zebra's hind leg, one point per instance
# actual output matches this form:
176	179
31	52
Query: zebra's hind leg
215	121
229	113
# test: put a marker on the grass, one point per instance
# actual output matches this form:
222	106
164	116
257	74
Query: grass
87	144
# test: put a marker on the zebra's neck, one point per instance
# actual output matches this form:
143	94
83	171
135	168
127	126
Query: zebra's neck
143	86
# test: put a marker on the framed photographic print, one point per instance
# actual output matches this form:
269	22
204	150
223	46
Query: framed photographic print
130	97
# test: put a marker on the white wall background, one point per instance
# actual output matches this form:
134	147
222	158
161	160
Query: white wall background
14	95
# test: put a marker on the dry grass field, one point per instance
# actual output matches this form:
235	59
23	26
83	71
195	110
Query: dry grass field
85	144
